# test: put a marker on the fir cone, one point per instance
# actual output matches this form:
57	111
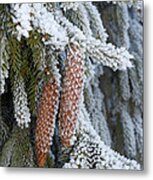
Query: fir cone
71	94
46	120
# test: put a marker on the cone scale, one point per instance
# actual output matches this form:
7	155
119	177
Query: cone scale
71	94
46	120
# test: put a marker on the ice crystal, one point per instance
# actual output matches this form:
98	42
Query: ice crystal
90	152
4	66
21	110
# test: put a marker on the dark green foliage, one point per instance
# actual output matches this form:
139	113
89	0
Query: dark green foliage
35	67
15	59
17	151
4	133
25	60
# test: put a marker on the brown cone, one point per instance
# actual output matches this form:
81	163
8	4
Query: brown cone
71	94
46	121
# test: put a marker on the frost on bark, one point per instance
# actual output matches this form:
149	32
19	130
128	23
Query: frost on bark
71	85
